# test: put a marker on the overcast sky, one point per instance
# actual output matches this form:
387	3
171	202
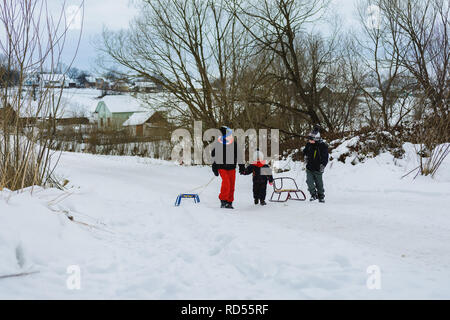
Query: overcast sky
116	14
113	14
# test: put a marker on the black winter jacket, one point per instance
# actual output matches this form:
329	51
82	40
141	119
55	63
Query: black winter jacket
227	156
316	154
260	174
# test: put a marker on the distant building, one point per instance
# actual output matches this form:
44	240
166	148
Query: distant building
31	80
113	111
145	86
52	80
71	83
121	86
148	124
90	82
101	83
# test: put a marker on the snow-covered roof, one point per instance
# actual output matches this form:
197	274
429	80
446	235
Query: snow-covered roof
123	103
74	103
138	118
90	79
84	102
145	84
52	77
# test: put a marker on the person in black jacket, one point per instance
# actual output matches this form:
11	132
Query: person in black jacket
316	158
226	155
261	174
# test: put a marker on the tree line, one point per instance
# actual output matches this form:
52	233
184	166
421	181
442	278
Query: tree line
252	64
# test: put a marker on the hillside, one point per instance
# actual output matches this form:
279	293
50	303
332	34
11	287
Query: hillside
130	241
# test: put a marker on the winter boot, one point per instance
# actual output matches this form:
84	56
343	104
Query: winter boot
223	203
229	205
313	197
263	203
322	199
256	201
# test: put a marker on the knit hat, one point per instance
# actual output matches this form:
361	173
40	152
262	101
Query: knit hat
314	135
226	131
227	135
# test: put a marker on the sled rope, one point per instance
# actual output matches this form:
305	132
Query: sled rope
203	187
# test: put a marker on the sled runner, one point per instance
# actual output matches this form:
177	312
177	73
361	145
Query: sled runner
291	192
187	195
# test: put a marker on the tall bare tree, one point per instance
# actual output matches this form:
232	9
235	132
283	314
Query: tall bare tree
301	57
423	45
388	86
33	41
194	49
423	48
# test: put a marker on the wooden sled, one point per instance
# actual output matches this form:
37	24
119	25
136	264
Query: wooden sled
291	191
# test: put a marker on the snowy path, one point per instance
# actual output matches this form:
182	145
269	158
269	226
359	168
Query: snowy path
145	247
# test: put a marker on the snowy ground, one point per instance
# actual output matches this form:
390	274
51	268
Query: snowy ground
136	244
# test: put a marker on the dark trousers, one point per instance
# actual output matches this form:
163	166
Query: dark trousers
315	183
259	190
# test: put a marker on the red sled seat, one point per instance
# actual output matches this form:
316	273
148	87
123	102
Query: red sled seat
286	186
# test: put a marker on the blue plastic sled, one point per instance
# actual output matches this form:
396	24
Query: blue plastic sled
187	195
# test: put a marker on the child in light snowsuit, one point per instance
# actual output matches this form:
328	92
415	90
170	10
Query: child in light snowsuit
261	174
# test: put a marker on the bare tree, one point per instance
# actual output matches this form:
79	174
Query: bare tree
34	41
423	45
388	86
301	58
195	50
423	49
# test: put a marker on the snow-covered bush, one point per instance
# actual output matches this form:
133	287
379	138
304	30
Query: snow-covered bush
366	145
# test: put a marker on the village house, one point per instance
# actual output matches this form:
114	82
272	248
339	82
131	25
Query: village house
148	124
90	82
145	86
52	80
120	86
101	83
112	111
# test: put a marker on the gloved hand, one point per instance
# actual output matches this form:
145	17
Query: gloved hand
241	169
215	171
322	168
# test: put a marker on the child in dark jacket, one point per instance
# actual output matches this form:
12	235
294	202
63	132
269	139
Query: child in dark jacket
316	158
261	174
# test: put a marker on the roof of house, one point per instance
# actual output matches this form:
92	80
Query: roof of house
138	118
90	79
73	103
52	76
123	103
145	84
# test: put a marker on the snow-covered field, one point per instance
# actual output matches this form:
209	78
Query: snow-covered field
131	242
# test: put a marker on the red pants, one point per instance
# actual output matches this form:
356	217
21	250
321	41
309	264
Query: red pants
228	180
